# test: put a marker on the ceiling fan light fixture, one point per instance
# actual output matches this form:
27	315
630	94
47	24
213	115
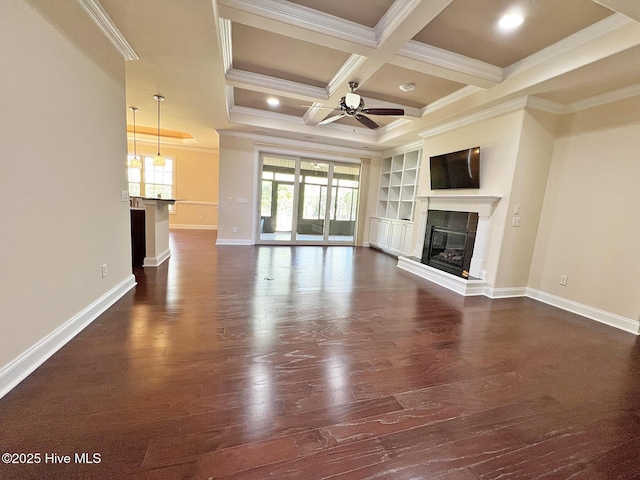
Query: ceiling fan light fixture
158	160
407	87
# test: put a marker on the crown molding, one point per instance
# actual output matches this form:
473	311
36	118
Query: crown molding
603	99
307	18
302	146
545	105
410	147
393	18
501	109
603	27
424	53
109	28
353	63
241	78
226	45
449	99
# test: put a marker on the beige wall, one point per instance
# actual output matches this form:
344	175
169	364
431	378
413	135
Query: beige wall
589	228
196	177
62	169
498	139
237	173
527	190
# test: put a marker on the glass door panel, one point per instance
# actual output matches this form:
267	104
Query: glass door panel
312	204
345	189
277	205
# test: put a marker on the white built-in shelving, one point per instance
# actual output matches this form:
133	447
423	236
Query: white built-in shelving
391	229
398	183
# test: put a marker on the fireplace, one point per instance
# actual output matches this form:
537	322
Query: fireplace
432	206
449	241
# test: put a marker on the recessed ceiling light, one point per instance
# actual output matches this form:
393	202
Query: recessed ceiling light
274	102
407	87
510	21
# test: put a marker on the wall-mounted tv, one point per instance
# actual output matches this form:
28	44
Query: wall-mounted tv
456	170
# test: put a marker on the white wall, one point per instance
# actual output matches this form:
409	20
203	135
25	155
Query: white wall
590	225
62	168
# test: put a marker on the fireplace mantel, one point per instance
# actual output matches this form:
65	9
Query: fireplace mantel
481	204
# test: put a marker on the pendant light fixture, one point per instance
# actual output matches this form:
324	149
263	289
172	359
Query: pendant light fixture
158	160
135	161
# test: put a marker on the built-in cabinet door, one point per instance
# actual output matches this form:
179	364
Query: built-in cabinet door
394	237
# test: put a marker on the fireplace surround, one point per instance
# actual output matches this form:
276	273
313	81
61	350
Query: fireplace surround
483	206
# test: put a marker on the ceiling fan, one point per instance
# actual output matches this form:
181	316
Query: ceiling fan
352	105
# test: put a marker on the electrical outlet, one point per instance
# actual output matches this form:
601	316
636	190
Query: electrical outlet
234	229
230	199
515	222
563	280
516	210
104	270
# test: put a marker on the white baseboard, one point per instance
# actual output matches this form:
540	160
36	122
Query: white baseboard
611	319
20	367
233	241
184	226
505	292
478	287
156	261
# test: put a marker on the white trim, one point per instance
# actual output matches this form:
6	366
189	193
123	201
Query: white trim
265	83
411	147
306	146
20	367
611	319
449	99
452	61
586	35
603	99
340	79
193	202
226	44
156	261
234	242
501	109
109	28
185	226
495	293
307	18
478	287
465	287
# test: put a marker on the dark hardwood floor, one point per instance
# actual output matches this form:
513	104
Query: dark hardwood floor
309	362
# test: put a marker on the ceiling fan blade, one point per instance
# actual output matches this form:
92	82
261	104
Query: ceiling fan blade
367	122
332	119
383	111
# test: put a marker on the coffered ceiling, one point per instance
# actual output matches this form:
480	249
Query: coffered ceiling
217	62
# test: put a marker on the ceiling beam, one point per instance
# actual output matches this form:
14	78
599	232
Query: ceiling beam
628	8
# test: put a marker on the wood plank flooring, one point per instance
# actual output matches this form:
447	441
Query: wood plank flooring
310	362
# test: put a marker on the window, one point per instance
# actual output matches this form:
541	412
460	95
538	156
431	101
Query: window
152	181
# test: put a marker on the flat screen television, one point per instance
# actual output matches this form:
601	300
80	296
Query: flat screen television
456	170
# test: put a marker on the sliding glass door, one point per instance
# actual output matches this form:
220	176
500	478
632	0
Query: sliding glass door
298	206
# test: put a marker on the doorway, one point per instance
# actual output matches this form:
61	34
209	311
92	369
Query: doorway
307	201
